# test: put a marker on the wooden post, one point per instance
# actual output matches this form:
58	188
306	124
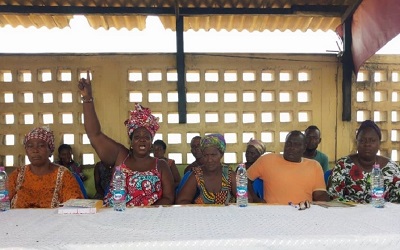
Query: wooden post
347	68
180	67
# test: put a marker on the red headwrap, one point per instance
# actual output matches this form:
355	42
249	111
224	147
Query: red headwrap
141	117
42	133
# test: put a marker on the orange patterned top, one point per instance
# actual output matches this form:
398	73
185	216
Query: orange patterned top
39	191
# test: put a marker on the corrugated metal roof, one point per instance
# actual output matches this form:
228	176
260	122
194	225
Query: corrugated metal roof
255	23
251	15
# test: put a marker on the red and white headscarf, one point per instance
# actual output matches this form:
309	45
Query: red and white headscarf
41	133
141	117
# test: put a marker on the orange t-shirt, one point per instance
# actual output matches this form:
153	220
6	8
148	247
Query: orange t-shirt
37	191
286	181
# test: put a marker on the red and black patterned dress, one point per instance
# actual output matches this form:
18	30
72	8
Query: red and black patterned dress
142	188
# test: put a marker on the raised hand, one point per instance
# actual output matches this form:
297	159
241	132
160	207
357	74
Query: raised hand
85	86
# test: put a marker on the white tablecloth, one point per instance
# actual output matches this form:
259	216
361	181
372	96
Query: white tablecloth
205	227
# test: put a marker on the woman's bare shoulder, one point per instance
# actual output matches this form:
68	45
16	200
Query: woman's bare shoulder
123	154
162	165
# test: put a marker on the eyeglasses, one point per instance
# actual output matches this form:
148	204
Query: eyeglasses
303	205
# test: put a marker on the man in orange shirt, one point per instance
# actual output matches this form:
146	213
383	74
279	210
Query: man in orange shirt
290	178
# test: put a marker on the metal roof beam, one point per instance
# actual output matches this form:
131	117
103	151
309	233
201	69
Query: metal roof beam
336	10
295	9
81	10
350	10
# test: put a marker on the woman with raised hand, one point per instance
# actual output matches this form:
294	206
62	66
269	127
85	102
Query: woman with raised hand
148	180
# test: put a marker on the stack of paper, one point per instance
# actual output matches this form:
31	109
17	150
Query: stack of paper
334	203
80	206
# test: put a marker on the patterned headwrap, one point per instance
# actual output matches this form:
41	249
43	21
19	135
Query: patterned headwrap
369	124
216	140
141	117
42	133
259	145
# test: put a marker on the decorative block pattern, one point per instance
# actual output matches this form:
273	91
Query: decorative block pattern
242	96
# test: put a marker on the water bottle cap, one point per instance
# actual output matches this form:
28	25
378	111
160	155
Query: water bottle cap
2	168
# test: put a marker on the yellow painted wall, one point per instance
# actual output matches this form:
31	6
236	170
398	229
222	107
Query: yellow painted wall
111	88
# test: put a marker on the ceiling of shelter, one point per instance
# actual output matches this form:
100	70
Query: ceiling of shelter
250	15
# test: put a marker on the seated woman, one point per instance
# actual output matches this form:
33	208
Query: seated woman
254	150
159	148
196	152
214	181
41	184
148	180
102	178
65	159
351	176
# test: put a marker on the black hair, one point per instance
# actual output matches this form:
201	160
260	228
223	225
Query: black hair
369	124
196	137
296	132
63	146
160	143
312	127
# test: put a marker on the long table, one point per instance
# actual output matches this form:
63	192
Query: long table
205	227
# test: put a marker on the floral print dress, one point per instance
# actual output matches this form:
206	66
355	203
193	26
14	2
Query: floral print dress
349	182
142	188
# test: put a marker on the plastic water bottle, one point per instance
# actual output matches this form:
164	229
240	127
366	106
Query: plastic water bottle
377	187
4	198
119	192
241	186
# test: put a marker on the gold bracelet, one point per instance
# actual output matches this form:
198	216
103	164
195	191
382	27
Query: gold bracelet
87	100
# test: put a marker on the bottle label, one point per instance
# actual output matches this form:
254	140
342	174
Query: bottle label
119	195
241	192
377	192
4	196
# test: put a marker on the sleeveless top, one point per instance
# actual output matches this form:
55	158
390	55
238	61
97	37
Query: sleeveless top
142	188
224	196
